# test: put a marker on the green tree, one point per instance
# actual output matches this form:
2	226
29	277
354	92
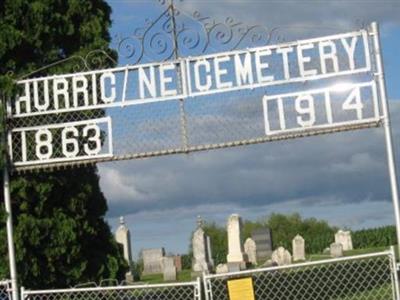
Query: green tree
187	261
249	226
60	233
374	237
316	233
219	242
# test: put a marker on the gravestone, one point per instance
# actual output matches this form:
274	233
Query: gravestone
336	250
251	252
263	240
168	268
298	248
178	262
344	238
327	250
235	257
269	263
200	261
236	267
221	268
123	237
209	252
152	260
281	257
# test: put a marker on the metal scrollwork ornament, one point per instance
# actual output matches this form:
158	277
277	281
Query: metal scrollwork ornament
95	59
191	34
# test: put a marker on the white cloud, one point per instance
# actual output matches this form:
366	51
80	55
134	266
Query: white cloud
118	185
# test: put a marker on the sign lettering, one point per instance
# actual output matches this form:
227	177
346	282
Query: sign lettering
300	111
53	143
67	118
264	66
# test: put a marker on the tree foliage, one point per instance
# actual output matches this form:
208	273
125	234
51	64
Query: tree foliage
186	261
318	234
60	233
219	242
374	237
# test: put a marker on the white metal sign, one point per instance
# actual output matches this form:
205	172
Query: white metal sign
79	141
314	109
229	71
65	119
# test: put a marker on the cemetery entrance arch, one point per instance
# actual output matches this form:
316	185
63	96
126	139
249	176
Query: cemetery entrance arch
193	84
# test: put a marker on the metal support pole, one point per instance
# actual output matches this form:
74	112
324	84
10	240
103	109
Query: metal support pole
10	239
395	275
387	128
8	207
185	141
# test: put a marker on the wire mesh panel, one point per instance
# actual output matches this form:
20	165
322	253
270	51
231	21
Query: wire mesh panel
367	277
5	290
181	291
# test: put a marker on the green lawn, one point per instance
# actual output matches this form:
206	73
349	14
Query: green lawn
316	257
365	251
183	276
382	293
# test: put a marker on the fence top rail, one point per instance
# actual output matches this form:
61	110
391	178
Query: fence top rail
5	282
305	264
110	288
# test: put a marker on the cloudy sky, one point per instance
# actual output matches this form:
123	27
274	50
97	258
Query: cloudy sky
341	177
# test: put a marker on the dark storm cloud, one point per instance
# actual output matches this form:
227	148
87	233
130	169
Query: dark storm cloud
347	167
337	171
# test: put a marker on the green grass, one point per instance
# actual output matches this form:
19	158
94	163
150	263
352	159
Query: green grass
183	276
365	251
382	293
152	278
316	257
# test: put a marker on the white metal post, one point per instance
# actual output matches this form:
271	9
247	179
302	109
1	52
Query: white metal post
22	292
181	77
387	128
395	276
8	208
10	239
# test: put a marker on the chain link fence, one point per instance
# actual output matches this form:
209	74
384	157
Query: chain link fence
172	291
5	290
364	277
